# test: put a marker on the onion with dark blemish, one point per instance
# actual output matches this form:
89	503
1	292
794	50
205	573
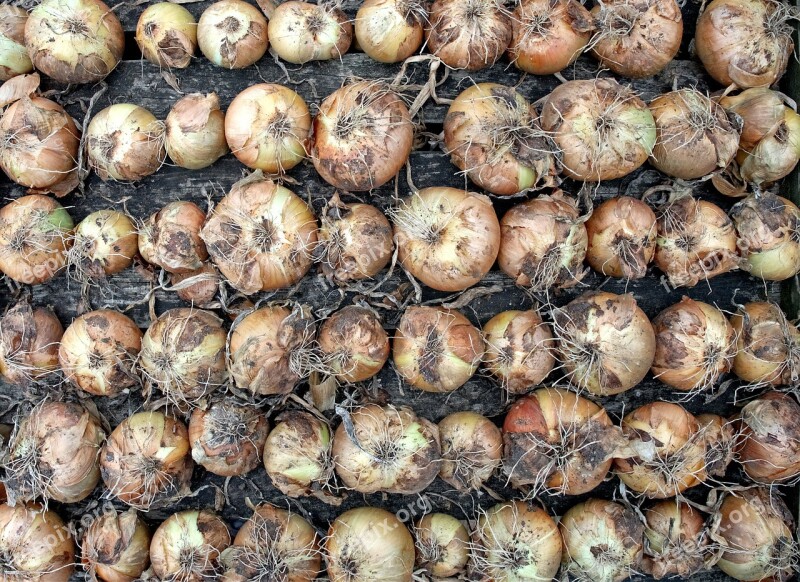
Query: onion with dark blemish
232	34
353	344
170	238
104	243
167	35
677	540
116	546
769	438
29	342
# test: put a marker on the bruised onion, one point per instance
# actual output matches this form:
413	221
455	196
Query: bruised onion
14	59
187	546
171	239
622	237
116	546
442	545
301	31
720	440
769	438
677	541
232	34
472	449
167	35
194	133
197	287
104	243
390	31
29	342
354	344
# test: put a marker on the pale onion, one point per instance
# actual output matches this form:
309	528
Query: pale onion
390	31
104	243
436	349
769	438
194	134
267	128
761	110
472	448
29	341
365	116
622	237
603	129
605	342
386	448
170	238
14	59
167	35
116	546
353	344
442	544
446	237
197	287
74	41
187	546
301	31
125	142
232	34
543	243
720	438
145	462
677	540
775	156
261	235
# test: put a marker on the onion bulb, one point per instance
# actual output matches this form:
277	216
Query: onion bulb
116	547
605	342
187	546
366	116
622	237
301	32
194	133
447	238
720	440
677	541
472	448
232	34
104	243
442	545
386	449
354	344
29	341
604	129
436	349
146	462
74	41
167	35
14	59
390	31
170	238
769	438
197	287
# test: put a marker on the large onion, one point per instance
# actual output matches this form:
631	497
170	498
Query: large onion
622	237
167	35
301	31
390	31
232	34
677	540
194	133
472	449
170	238
14	59
29	342
187	546
769	438
354	344
116	547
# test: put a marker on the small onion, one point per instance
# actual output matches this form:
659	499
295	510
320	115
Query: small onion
29	341
197	287
390	31
622	237
761	110
301	32
167	35
720	440
116	547
232	34
442	545
386	449
472	448
14	59
769	439
170	238
194	134
146	462
775	156
104	243
447	238
366	116
99	350
187	546
677	541
74	41
436	349
354	344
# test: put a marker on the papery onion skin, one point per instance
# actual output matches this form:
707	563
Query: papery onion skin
195	131
223	38
170	238
167	35
769	438
761	110
29	342
202	291
775	156
116	547
622	237
188	544
301	32
720	439
768	345
390	31
357	343
677	541
14	59
104	243
472	448
74	41
442	545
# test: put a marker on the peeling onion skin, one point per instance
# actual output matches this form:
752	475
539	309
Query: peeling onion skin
622	237
171	239
187	546
14	59
356	341
472	449
167	35
775	156
195	131
761	110
768	345
87	47
232	34
677	543
442	545
769	438
116	547
301	32
720	440
105	243
29	343
390	31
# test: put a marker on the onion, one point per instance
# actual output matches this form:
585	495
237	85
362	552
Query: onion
183	354
720	441
472	448
170	238
53	454
355	344
267	128
14	58
760	109
543	243
694	136
227	438
125	142
637	38
436	349
195	131
775	156
602	541
745	42
232	34
605	342
677	542
35	234
447	238
35	544
29	340
769	440
368	543
355	241
468	34
98	352
39	145
301	32
442	544
622	237
517	541
145	462
386	449
197	287
104	243
548	35
187	546
366	116
390	31
74	41
261	235
604	129
167	35
769	236
274	544
116	547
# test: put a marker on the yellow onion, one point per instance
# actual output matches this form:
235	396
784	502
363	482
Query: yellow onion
301	32
98	352
468	34
769	236
116	547
14	59
442	544
446	237
29	340
543	243
232	34
390	31
775	156
603	129
261	235
362	116
167	35
472	448
637	38
53	454
170	238
197	287
104	243
368	543
74	41
194	134
677	541
761	110
267	128
436	349
622	237
605	342
274	544
187	546
720	436
146	462
386	448
517	541
354	344
35	544
125	142
769	438
548	35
